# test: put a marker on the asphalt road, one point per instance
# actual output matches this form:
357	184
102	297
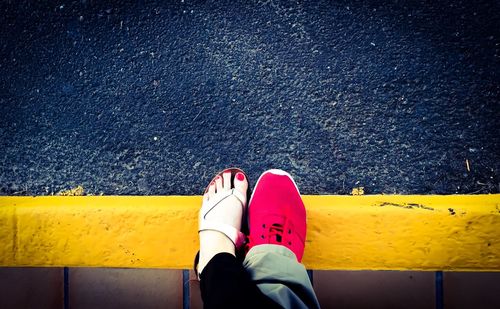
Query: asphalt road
154	97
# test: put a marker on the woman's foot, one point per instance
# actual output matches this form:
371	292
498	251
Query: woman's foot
224	204
276	213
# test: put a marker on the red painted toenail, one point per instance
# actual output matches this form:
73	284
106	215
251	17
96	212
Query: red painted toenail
240	176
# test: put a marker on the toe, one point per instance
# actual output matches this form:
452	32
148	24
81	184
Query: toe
241	183
211	190
218	184
226	180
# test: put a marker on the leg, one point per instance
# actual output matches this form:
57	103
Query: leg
224	283
280	277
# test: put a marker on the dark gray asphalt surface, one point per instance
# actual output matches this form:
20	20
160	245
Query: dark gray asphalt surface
153	98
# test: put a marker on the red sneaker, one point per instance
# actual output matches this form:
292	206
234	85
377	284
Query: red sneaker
276	213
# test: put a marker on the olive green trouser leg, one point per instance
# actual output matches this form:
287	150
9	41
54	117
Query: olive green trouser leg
280	276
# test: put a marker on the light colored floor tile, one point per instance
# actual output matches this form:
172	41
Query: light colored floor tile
124	288
31	287
195	301
375	289
471	290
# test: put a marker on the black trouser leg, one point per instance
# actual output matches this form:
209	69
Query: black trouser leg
224	283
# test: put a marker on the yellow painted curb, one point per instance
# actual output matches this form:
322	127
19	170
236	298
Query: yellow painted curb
418	232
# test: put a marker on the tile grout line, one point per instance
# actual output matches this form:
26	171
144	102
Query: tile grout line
66	288
185	289
311	276
439	290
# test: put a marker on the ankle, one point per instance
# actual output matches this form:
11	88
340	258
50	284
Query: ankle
212	243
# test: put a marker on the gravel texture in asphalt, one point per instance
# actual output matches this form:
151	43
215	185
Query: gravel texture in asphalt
154	97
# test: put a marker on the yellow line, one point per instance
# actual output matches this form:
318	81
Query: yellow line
455	232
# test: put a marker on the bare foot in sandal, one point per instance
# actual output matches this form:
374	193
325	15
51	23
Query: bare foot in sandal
224	204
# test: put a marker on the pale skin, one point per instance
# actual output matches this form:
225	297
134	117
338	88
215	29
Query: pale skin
229	211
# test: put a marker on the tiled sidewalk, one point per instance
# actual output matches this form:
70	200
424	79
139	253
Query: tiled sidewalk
161	288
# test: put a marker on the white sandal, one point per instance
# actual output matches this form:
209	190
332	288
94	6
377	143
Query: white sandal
234	234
